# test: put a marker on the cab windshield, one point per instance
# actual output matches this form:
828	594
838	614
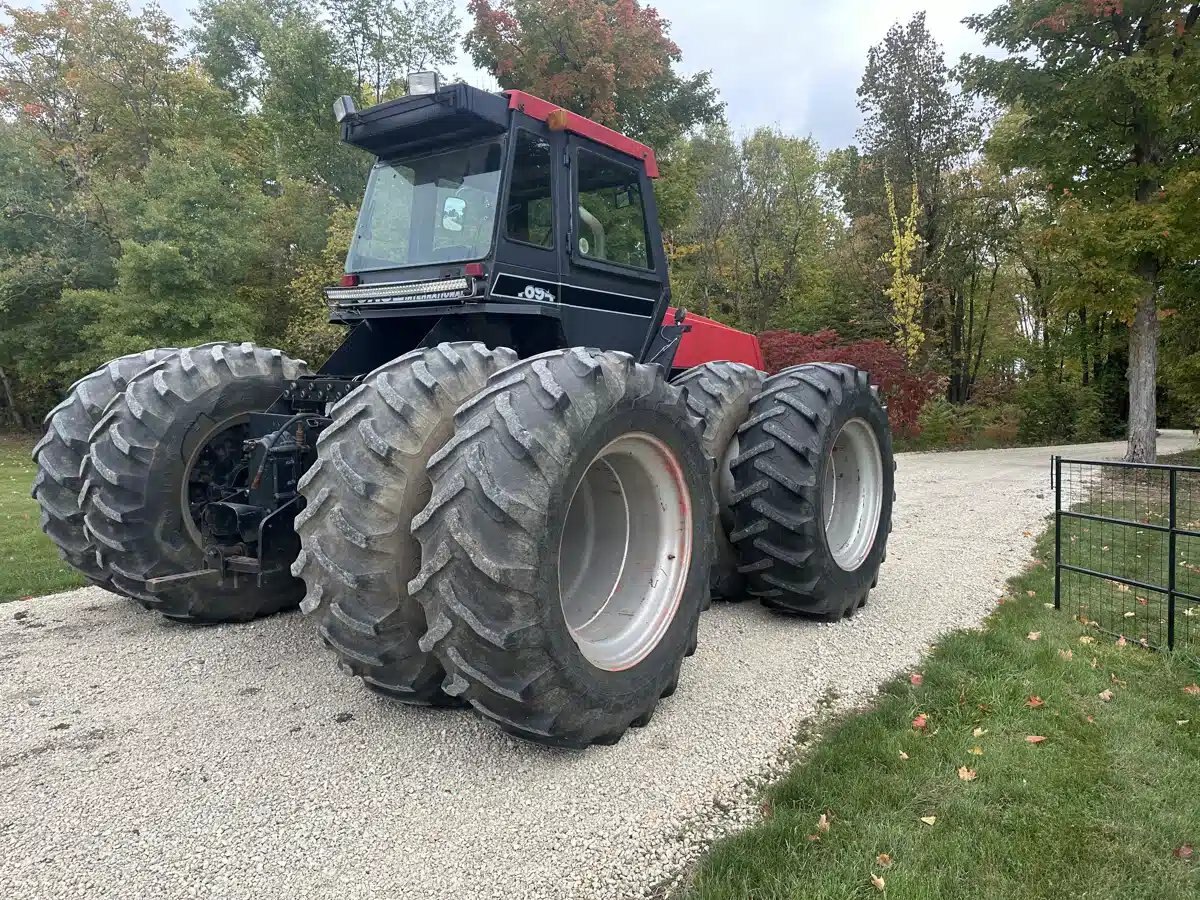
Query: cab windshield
428	210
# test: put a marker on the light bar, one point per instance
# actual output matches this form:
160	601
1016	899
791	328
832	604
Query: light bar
402	292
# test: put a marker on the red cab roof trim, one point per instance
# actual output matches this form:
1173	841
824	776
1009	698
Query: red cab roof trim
540	109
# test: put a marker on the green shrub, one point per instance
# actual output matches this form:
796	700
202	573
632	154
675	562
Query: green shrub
943	425
1001	426
1089	421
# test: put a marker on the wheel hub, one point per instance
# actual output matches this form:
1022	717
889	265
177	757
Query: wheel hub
853	494
625	551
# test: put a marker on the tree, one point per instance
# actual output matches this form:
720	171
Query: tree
384	40
1105	94
917	127
918	132
47	244
610	60
752	249
906	291
99	88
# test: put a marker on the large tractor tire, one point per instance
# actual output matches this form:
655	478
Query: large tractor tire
719	394
60	454
159	455
358	553
814	490
566	548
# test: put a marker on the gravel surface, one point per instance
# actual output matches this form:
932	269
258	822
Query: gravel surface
139	758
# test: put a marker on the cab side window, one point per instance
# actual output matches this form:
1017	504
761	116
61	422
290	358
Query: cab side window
530	214
611	212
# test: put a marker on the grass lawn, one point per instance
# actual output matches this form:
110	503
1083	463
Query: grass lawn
939	792
29	563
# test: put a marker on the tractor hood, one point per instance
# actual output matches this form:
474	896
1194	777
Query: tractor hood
456	114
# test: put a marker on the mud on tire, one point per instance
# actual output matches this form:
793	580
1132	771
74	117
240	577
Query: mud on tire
814	490
357	551
60	454
493	538
178	420
719	394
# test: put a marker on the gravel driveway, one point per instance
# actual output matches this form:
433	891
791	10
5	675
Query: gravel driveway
139	758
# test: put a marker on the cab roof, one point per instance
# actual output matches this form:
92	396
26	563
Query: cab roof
537	108
460	113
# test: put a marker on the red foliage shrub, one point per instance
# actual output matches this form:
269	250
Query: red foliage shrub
906	391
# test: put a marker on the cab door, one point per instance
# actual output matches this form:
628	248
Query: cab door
530	242
616	272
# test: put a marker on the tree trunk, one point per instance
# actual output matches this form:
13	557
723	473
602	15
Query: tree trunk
17	419
1083	347
1142	371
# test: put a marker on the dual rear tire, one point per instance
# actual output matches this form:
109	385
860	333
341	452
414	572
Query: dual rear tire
560	537
566	548
813	491
150	437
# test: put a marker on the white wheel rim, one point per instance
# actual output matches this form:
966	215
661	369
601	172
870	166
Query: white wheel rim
853	494
625	551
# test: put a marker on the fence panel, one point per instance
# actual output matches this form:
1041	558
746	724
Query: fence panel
1127	550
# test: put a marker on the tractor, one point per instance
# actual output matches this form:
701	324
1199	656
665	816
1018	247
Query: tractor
523	474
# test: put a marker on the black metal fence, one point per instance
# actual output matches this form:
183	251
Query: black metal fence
1127	550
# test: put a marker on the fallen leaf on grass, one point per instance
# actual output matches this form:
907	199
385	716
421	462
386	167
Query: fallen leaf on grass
1031	593
903	755
823	824
920	722
1095	663
1048	605
879	883
1130	614
976	751
1033	636
1034	738
965	774
1106	695
813	837
1087	639
1192	689
979	732
1026	534
884	860
1091	720
1184	851
1142	601
929	820
1066	654
1123	588
916	679
1121	642
1182	721
1035	702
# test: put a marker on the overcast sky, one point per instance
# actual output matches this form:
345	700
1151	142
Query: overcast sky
795	63
791	63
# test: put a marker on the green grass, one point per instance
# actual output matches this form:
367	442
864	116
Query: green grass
29	563
1095	810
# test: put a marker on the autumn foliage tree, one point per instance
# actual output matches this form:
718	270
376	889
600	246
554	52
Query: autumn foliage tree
1104	93
611	60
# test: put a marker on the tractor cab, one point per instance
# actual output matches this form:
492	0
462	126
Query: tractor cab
506	219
